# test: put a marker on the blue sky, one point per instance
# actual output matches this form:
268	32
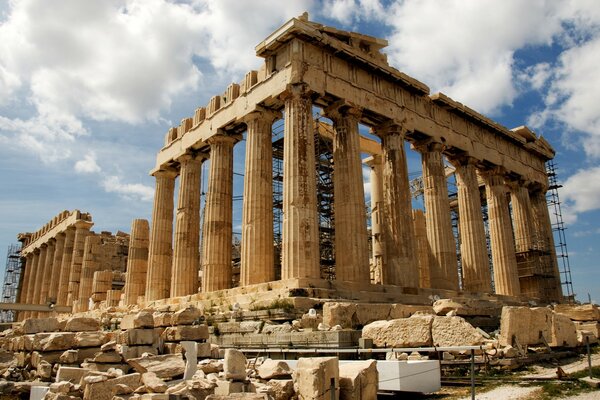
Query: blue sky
89	88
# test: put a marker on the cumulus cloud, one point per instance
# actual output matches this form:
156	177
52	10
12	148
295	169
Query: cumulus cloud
581	192
133	191
88	164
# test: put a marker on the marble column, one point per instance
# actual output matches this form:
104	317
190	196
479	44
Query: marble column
30	295
444	267
545	237
422	248
473	245
217	232
351	240
65	271
39	278
56	267
376	178
257	252
300	231
48	269
82	230
137	261
89	266
186	254
158	280
101	284
506	278
400	265
25	284
522	213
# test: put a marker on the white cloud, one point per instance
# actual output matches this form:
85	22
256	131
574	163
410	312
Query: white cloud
132	191
580	193
88	164
349	11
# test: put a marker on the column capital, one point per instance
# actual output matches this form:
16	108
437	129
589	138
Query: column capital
462	159
83	224
165	173
343	109
222	137
374	160
262	113
429	145
494	171
389	128
191	157
296	90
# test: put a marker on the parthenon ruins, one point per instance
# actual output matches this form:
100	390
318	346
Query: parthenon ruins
398	254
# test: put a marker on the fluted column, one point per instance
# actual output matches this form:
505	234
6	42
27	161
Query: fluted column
48	269
30	295
65	271
400	262
82	230
25	284
376	178
160	253
39	278
89	266
444	268
506	278
137	261
473	248
422	248
217	232
59	249
351	240
300	241
257	257
545	237
186	254
522	214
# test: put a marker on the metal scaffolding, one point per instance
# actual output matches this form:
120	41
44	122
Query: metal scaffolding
12	279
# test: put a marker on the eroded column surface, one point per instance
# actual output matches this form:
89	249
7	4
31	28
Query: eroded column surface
30	294
101	284
543	227
422	248
217	232
522	213
376	178
160	253
65	269
186	254
59	249
82	230
257	252
48	269
137	261
89	266
300	233
400	264
351	240
444	268
506	278
473	244
25	285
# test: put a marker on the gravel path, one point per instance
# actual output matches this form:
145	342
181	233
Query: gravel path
579	365
507	392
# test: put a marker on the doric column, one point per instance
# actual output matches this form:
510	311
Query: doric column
89	266
56	267
376	178
545	237
506	278
217	232
400	263
48	269
101	283
158	282
65	271
137	261
25	284
257	257
186	254
473	245
30	295
444	268
300	241
39	278
351	240
522	213
82	230
422	248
